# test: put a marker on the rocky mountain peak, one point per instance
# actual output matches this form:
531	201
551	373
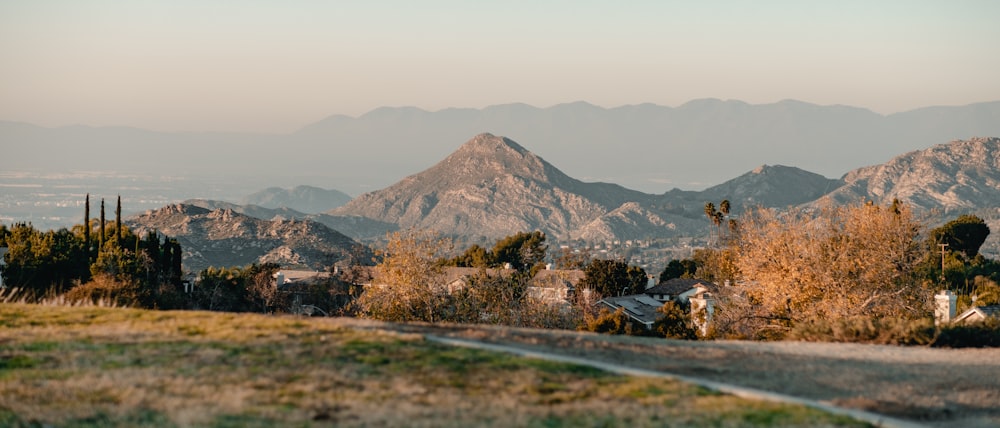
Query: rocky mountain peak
225	237
960	175
492	187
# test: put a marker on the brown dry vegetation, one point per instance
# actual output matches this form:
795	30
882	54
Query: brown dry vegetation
125	367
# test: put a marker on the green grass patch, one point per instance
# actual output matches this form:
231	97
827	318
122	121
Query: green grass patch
123	367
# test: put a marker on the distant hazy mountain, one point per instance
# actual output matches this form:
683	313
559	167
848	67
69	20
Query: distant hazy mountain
306	199
644	147
223	237
256	211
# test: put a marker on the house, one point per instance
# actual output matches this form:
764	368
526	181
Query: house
978	314
680	289
642	308
944	310
290	279
555	286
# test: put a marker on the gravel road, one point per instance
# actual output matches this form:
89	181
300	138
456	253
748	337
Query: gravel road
937	387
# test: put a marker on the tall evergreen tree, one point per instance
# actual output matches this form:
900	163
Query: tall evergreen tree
86	226
102	226
118	220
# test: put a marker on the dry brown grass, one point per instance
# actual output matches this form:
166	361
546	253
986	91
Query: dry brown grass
72	366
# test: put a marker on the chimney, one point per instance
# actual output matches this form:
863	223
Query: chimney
702	308
944	307
650	281
280	279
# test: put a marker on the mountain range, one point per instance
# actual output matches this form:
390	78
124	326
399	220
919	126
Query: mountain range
645	147
491	187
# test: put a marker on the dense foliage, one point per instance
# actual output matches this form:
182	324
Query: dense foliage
410	285
522	251
613	278
55	261
839	263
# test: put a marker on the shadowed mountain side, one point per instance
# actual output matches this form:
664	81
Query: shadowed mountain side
224	237
772	186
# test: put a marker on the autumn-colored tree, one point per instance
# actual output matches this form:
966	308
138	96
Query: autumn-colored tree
408	283
836	263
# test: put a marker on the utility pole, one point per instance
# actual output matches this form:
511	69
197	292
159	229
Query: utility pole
943	246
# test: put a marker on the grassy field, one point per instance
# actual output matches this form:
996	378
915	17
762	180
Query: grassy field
67	366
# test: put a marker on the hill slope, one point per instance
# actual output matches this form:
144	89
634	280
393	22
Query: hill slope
958	176
224	237
491	187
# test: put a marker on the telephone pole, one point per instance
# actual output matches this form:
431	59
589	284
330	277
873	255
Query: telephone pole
943	246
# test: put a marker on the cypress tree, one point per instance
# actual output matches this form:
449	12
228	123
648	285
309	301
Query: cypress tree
175	262
86	226
102	226
118	220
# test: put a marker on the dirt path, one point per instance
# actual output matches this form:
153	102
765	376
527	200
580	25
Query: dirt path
941	387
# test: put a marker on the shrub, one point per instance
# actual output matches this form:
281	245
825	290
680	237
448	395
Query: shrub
979	335
106	290
884	331
617	322
675	322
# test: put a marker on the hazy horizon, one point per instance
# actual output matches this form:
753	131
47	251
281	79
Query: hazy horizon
187	66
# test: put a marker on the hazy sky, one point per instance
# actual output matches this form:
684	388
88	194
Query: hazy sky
274	66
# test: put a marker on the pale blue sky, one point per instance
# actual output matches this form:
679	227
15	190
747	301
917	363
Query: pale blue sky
273	66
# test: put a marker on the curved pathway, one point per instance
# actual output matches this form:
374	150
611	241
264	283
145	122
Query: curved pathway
915	385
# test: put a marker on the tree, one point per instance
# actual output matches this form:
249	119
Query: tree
718	218
118	220
408	283
964	235
39	262
617	322
844	262
568	258
522	250
674	322
86	224
475	256
678	269
613	278
101	244
4	233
